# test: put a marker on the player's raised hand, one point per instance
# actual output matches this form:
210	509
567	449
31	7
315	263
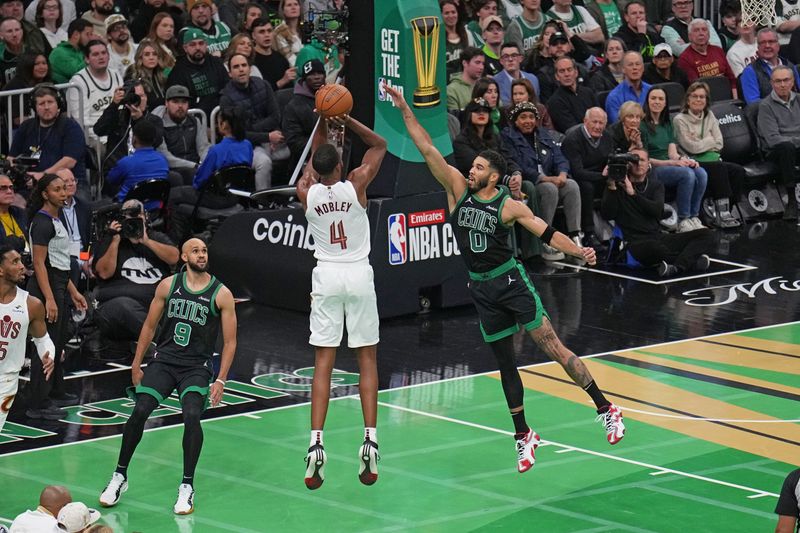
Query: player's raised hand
397	97
589	256
217	388
47	365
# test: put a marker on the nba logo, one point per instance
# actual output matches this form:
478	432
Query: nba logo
397	239
381	90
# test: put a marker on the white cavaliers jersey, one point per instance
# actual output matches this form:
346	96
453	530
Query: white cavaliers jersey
14	321
338	223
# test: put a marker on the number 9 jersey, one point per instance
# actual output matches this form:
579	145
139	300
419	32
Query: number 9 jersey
338	223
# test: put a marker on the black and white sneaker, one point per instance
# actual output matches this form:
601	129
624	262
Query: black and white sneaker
368	462
114	490
315	466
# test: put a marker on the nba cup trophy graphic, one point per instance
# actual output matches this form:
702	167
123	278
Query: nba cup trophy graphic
426	50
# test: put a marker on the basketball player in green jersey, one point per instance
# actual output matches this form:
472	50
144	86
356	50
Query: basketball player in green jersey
191	306
482	217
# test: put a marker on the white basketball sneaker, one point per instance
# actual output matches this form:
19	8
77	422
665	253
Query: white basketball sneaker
526	451
185	502
114	490
612	421
315	466
368	462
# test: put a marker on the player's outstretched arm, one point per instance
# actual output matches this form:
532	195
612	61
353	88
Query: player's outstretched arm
450	178
37	329
149	327
227	308
514	211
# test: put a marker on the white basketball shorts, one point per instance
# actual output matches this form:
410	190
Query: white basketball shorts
8	389
339	292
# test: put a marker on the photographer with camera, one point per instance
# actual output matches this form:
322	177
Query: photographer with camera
127	108
635	201
50	140
129	262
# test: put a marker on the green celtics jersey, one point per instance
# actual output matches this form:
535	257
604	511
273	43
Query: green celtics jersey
482	237
525	33
190	323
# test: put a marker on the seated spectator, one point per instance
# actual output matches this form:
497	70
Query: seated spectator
75	517
560	46
730	14
327	52
570	100
625	132
67	58
663	68
526	28
636	33
98	86
609	75
241	43
755	78
254	97
523	91
231	12
702	59
698	135
779	128
141	21
10	48
287	39
636	205
273	66
128	271
32	37
298	118
632	88
77	218
481	9
486	88
788	508
787	21
145	163
13	219
185	140
743	51
587	147
121	50
540	159
50	20
100	11
541	55
493	37
459	90
455	37
252	12
52	136
119	117
147	68
217	33
676	30
32	69
511	58
162	33
52	499
607	13
234	149
66	14
579	21
681	173
199	71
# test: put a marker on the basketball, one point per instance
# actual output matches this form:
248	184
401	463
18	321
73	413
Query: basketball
334	100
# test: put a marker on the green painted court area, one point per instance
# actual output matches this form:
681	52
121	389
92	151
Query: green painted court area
448	464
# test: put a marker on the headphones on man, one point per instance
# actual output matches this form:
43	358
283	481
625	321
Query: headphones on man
48	88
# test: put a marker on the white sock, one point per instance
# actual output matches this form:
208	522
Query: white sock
371	434
316	437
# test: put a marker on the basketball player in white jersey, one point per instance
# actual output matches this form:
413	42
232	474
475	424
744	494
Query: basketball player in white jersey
20	314
342	287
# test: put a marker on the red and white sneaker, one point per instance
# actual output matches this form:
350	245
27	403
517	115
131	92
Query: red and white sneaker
315	467
612	420
368	462
526	447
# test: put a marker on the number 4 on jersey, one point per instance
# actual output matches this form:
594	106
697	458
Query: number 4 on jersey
337	234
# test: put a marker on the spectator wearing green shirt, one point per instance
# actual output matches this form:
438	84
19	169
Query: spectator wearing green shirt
459	91
218	34
66	59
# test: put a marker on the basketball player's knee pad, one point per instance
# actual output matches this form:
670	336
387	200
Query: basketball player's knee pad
192	405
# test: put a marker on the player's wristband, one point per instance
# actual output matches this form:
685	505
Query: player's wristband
547	234
220	381
45	345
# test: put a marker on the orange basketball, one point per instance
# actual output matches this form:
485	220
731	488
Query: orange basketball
333	100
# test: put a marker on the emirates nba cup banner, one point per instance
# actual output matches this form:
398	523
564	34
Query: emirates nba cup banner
410	56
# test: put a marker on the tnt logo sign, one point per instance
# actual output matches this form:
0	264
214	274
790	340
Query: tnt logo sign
398	252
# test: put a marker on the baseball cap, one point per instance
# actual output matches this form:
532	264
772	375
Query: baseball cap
488	20
177	91
313	65
192	34
75	517
478	104
662	47
190	4
116	18
558	37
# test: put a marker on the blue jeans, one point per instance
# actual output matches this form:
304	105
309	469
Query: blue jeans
691	185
